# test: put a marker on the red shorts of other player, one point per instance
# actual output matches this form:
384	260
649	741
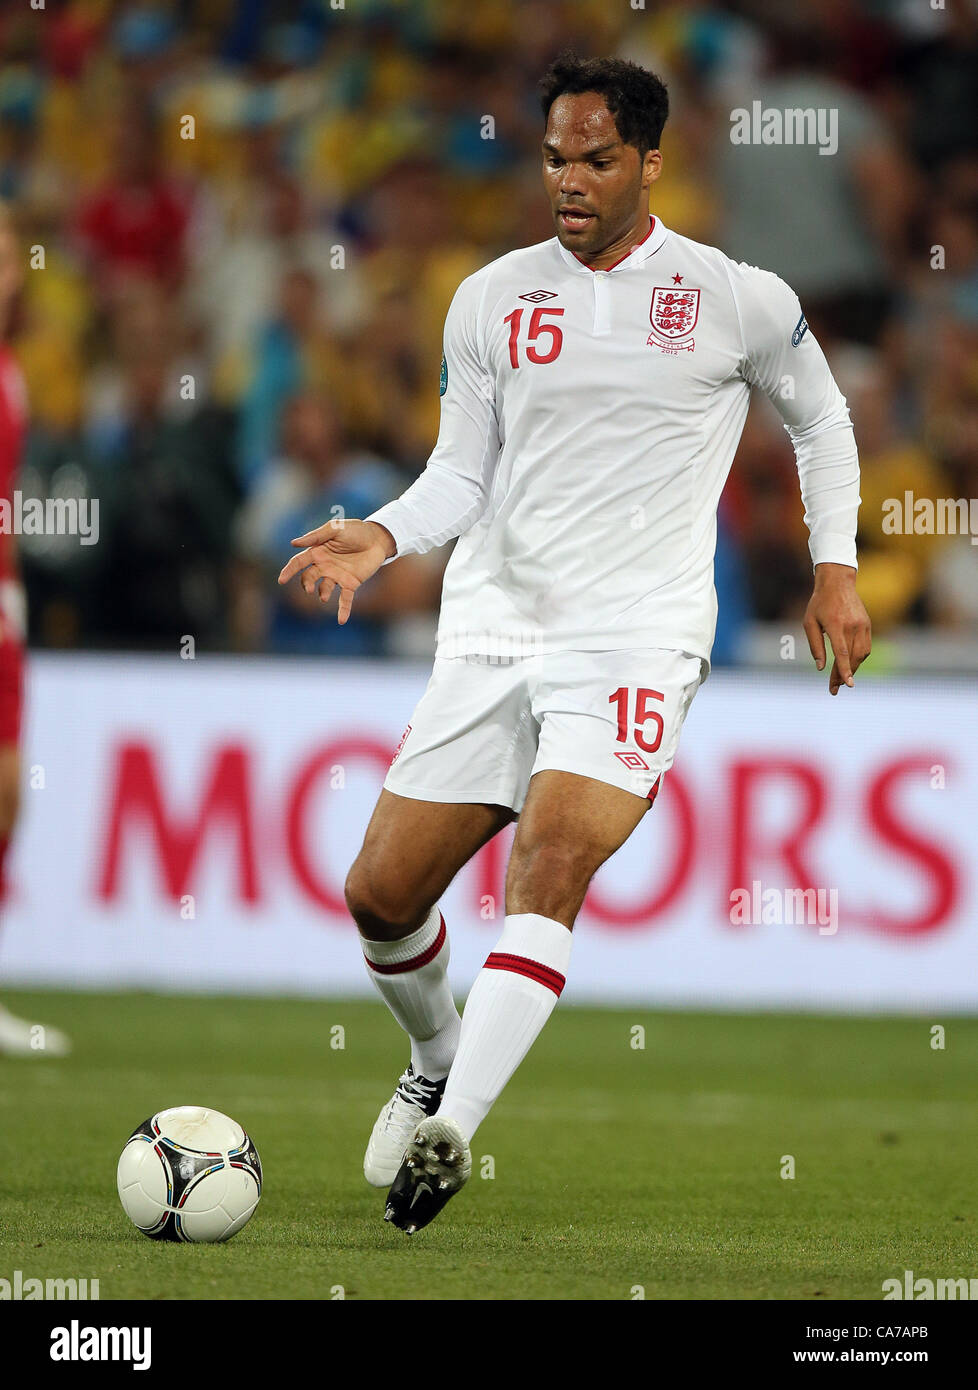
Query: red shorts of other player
11	685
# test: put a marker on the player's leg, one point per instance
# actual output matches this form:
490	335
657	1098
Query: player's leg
19	1037
458	776
9	804
568	827
411	852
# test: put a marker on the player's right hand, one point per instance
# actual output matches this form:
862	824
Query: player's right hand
341	554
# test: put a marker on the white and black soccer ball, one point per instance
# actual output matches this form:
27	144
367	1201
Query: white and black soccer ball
189	1174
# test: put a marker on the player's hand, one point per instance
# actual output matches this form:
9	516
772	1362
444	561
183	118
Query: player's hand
341	554
836	611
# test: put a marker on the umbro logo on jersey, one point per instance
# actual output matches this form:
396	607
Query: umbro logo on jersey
536	296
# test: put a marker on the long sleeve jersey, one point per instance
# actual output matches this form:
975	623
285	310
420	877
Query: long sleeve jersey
589	419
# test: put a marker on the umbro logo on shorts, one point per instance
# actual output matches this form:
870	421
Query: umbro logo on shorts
535	296
635	761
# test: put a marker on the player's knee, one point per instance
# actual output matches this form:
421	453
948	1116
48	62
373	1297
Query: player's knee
381	908
362	897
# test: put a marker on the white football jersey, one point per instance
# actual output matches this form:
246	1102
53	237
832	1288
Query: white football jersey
588	423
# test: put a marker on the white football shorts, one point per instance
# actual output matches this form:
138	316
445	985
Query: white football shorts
483	726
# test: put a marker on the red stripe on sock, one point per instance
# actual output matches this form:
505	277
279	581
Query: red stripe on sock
416	962
532	969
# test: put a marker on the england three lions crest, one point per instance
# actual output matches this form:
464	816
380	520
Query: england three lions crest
673	314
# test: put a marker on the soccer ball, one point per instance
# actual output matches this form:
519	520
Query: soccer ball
189	1174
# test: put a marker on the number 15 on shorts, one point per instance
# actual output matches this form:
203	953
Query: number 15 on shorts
646	724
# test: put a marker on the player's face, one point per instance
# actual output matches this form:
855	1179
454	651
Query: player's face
597	185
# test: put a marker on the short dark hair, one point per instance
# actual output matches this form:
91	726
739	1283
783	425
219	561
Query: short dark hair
637	99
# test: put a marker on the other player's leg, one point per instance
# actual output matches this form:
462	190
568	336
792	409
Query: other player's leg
19	1037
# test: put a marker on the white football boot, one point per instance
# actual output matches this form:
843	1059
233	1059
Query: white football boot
415	1099
19	1038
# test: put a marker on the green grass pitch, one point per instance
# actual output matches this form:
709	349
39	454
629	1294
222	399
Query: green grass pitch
615	1168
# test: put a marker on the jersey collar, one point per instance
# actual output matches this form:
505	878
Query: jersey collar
654	238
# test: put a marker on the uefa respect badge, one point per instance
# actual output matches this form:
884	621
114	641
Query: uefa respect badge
443	383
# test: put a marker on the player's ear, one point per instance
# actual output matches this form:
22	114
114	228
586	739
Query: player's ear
651	167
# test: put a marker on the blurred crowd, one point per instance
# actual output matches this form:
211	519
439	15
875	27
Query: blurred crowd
246	221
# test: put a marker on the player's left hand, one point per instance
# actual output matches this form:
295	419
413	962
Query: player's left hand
836	611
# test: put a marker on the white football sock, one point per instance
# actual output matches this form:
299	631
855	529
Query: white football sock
513	996
412	976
